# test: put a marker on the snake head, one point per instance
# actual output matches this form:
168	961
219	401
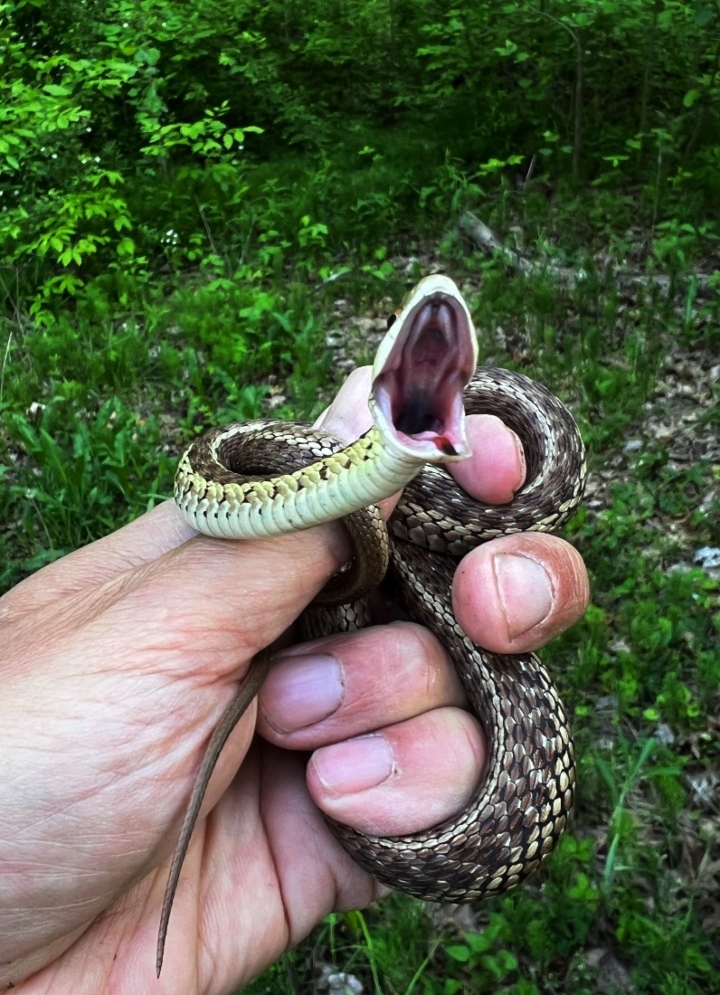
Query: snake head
421	369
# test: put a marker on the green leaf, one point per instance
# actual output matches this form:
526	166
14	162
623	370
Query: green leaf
55	90
458	952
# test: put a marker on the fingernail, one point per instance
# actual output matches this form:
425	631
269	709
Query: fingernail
525	592
301	691
355	765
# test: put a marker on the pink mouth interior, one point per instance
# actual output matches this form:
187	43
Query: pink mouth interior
421	384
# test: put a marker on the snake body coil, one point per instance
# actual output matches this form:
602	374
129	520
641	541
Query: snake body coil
518	811
522	804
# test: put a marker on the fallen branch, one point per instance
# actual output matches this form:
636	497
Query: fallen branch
487	241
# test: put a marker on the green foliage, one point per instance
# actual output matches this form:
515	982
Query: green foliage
90	476
128	129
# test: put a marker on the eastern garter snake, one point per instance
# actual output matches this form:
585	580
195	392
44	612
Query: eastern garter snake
254	480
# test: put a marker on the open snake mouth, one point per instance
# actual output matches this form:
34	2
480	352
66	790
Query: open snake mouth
422	368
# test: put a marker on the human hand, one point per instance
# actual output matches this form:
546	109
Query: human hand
119	661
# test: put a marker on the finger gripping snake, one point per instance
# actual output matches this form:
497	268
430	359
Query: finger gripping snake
267	478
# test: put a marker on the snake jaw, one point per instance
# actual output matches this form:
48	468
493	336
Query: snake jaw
421	368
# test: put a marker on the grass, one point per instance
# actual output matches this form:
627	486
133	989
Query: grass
97	403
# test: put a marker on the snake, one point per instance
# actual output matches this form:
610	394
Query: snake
266	478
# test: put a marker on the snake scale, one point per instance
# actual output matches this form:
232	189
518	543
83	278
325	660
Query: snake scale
251	480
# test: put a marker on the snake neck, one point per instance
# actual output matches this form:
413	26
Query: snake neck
363	473
376	466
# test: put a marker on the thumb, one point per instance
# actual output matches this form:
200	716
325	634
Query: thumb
212	600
